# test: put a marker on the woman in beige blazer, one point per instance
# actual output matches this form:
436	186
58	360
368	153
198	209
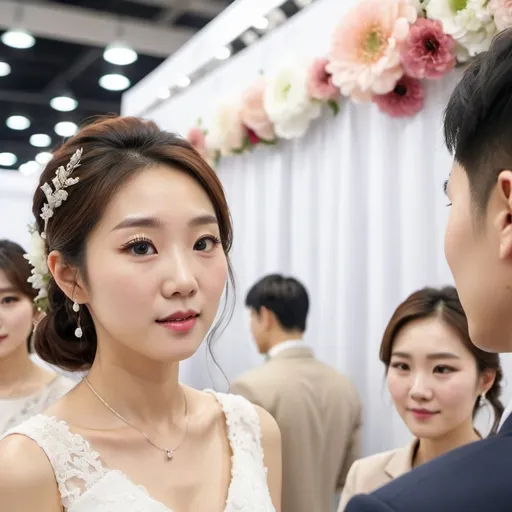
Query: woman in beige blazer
437	379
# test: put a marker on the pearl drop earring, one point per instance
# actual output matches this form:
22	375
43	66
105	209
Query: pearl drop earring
78	331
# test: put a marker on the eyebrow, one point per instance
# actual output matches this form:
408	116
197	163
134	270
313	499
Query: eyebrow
154	223
435	355
9	290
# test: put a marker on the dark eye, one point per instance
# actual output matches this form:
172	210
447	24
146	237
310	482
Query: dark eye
9	300
206	244
443	369
400	366
141	248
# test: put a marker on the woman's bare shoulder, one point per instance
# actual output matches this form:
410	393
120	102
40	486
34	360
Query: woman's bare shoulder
27	482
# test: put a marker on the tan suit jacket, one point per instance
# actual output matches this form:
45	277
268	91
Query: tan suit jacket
373	472
319	414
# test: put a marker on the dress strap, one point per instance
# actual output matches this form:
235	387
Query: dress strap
76	466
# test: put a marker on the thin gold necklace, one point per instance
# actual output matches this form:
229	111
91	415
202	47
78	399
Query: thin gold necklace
168	451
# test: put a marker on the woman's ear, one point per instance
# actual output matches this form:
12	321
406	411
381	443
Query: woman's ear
487	380
67	278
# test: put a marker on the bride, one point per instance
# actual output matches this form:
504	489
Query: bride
137	231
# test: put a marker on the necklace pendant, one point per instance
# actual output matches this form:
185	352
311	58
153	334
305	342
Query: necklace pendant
169	454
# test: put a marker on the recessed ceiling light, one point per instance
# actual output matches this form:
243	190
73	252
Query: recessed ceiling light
7	159
261	23
66	129
40	140
18	39
114	82
249	37
18	122
64	103
163	93
182	81
29	168
222	53
5	69
120	54
44	157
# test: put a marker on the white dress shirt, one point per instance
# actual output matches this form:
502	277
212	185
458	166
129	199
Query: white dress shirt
285	345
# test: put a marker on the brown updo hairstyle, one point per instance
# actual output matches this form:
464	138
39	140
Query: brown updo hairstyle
114	150
17	270
444	304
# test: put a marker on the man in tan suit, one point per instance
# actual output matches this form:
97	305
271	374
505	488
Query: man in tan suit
316	408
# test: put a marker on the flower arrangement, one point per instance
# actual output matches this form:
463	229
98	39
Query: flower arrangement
382	51
40	273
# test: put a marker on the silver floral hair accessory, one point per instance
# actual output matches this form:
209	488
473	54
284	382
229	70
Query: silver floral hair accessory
61	181
37	256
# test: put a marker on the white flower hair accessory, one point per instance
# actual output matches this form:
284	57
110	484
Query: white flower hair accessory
37	256
61	181
40	273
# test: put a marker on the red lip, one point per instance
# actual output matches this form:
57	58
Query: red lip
179	315
181	321
2	338
423	413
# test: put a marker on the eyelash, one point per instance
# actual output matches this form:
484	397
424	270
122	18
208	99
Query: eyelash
11	300
404	367
140	239
448	205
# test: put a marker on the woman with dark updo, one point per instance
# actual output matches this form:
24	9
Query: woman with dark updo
25	388
135	232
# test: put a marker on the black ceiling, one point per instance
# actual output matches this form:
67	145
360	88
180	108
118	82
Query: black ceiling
41	71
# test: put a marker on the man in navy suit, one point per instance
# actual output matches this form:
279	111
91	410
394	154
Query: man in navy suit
478	248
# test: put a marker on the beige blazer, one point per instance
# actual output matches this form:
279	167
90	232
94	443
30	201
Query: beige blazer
319	414
373	472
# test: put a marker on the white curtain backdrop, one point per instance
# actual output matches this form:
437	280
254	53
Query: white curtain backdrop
355	209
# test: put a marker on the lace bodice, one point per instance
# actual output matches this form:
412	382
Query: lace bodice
85	485
14	411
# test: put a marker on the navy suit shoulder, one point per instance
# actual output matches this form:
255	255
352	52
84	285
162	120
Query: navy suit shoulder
474	478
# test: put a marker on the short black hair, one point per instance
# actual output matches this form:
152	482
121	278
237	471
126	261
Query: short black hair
478	118
286	297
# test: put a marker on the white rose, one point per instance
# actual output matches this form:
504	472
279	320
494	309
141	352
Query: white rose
287	103
472	26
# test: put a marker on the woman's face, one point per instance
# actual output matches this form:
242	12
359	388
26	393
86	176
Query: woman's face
433	379
16	317
156	269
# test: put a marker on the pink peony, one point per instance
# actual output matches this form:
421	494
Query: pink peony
428	52
502	12
406	99
197	139
364	58
253	113
320	84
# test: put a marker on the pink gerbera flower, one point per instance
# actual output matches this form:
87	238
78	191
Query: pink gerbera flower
364	58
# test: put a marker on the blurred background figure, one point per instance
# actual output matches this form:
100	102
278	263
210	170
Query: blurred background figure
438	381
25	388
316	407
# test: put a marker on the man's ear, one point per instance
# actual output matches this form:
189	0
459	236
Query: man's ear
67	278
504	217
266	317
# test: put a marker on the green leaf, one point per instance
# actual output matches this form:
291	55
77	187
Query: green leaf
334	107
272	142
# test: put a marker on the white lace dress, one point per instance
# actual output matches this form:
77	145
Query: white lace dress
14	411
86	485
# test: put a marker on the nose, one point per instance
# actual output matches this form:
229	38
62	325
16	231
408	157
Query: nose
420	390
180	280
